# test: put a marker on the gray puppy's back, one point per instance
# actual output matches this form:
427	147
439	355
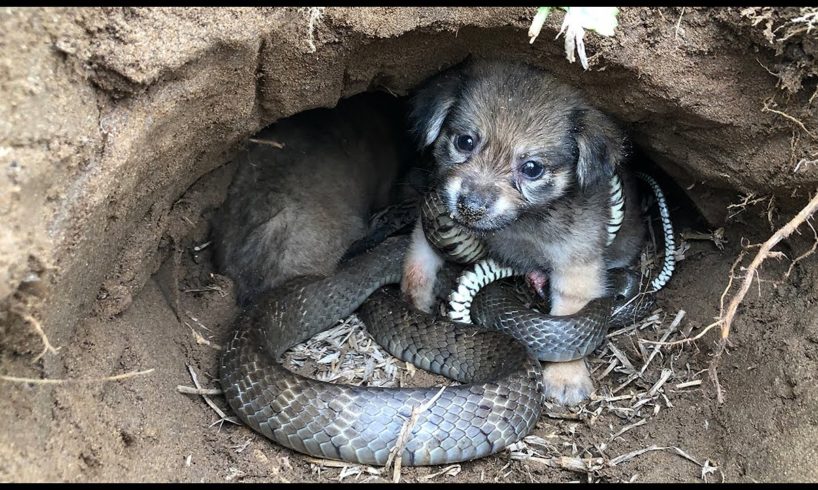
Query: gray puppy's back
295	210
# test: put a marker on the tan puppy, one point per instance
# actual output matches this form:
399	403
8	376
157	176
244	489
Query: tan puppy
522	160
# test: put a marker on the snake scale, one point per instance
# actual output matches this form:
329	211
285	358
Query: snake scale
498	403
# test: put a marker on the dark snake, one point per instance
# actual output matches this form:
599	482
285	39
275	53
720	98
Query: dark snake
498	403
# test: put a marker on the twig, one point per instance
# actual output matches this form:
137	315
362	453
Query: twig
762	254
451	470
46	381
666	374
612	398
686	456
563	416
633	454
575	464
629	427
201	340
805	254
273	143
608	369
331	463
623	359
804	162
628	456
315	14
627	381
35	324
672	328
224	418
768	70
679	22
198	391
748	200
403	436
764	251
205	290
633	327
241	447
767	108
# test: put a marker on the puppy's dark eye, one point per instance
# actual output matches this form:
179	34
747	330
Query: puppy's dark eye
532	170
464	143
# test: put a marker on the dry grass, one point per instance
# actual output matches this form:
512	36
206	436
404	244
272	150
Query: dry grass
347	354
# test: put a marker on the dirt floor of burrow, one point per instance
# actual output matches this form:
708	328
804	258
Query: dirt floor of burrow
143	429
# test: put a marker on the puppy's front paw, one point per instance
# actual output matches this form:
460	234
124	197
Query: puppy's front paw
418	287
567	383
420	271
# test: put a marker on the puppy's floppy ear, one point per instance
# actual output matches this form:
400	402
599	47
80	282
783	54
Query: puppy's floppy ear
431	104
601	145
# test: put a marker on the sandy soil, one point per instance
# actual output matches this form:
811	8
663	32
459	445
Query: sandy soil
115	125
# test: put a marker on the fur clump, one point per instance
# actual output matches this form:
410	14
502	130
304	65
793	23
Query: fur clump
295	210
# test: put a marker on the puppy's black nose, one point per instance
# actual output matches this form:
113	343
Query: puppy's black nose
472	206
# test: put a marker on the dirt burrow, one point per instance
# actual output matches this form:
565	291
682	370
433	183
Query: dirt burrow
114	128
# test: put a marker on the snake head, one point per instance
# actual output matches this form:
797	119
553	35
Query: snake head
455	242
623	283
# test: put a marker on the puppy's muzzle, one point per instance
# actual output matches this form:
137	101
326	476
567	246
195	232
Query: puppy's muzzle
472	207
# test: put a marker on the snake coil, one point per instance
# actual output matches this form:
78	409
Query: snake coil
498	403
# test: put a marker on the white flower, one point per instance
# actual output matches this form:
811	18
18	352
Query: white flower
577	19
537	23
599	19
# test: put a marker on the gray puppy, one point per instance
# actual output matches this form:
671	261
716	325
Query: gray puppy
294	210
524	161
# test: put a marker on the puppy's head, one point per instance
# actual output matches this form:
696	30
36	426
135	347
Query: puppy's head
508	139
